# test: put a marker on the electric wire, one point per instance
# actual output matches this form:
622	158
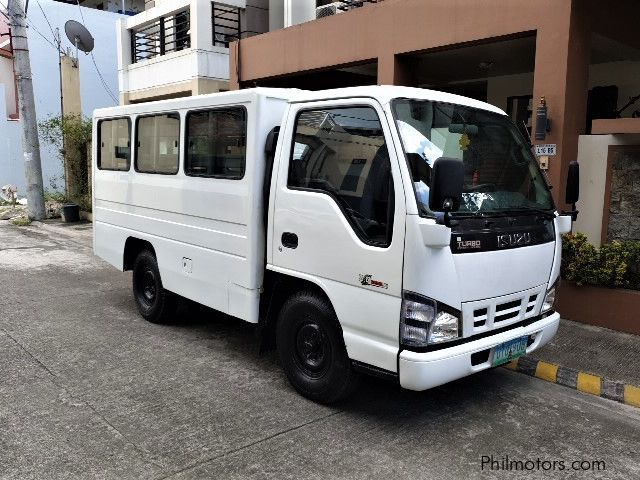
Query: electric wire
30	25
46	19
102	80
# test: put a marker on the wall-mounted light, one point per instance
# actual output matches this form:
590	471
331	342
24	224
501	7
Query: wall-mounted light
543	123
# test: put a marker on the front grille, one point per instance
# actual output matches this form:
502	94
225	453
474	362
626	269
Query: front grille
479	317
532	303
483	315
507	311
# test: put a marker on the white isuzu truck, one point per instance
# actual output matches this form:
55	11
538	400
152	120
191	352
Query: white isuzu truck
395	231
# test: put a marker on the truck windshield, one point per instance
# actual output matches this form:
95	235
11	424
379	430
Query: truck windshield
501	173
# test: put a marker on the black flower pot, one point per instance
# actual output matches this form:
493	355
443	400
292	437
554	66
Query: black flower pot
70	213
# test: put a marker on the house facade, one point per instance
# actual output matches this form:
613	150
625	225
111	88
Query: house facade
181	47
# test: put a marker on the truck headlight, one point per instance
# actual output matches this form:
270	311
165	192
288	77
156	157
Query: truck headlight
424	321
549	300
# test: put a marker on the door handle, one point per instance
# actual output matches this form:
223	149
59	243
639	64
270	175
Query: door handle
289	240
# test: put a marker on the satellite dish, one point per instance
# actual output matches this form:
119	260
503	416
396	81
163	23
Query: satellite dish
79	35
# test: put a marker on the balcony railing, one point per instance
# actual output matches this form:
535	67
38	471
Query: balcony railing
226	24
165	35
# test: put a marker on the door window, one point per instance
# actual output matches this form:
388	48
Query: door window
342	152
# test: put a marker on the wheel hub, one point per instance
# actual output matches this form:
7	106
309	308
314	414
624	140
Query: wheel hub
148	287
311	347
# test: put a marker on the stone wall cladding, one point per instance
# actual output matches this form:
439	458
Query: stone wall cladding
624	210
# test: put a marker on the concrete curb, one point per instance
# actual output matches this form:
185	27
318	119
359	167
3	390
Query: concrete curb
581	381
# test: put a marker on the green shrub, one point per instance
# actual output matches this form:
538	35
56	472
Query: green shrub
21	221
613	265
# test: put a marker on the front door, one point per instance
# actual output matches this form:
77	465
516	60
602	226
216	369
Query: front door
339	220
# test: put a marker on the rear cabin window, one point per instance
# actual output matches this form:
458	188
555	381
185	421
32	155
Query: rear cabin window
115	144
158	143
216	143
342	151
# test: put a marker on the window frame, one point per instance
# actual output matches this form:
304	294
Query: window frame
347	216
99	146
246	139
135	157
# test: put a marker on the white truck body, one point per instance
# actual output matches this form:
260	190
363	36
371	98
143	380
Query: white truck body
212	245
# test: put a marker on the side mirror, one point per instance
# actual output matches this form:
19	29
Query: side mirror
447	181
572	192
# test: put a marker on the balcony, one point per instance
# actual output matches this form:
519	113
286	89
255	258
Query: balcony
177	48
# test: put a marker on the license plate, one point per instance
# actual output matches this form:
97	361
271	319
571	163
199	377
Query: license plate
508	351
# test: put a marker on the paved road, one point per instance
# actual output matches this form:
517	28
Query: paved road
90	390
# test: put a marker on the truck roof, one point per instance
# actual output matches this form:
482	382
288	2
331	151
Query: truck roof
386	93
383	93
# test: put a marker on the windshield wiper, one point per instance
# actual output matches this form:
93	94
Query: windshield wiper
530	210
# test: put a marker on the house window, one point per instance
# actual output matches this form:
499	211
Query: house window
158	143
216	143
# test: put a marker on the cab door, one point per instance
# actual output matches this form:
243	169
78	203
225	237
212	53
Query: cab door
339	219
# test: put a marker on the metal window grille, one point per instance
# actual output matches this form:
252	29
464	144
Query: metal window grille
226	24
165	35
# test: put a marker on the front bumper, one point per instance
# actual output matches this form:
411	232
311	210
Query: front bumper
421	371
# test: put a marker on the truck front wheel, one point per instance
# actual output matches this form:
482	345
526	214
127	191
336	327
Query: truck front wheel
155	304
311	349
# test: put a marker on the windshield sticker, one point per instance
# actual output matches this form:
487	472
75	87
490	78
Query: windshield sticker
367	280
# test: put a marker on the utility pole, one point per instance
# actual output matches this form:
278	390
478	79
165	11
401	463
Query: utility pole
58	40
30	142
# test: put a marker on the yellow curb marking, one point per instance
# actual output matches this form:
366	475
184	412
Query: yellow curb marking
512	365
589	383
547	371
632	395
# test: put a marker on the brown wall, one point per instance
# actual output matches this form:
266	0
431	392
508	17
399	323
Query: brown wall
612	308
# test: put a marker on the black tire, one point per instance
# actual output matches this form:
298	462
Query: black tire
155	304
311	349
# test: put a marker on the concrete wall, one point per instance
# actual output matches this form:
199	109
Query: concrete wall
593	151
626	75
299	11
44	65
499	88
276	14
623	222
72	101
11	164
255	17
7	80
116	6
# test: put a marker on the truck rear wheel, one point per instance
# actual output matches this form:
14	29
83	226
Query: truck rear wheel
311	349
155	304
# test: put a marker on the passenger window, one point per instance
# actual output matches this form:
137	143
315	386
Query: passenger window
216	143
158	143
342	151
114	137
